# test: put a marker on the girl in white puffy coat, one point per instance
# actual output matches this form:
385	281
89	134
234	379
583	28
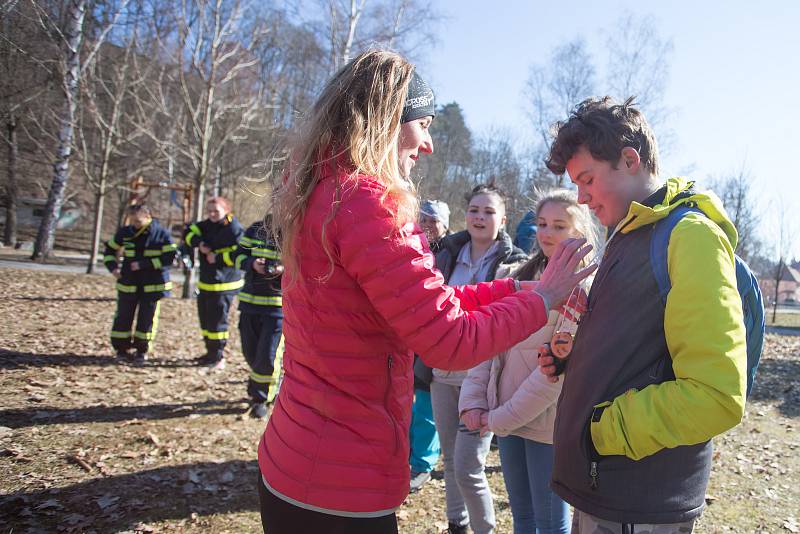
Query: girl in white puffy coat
509	396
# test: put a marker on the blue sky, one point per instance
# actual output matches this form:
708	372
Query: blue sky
734	87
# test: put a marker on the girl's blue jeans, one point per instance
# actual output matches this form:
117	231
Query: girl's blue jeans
527	467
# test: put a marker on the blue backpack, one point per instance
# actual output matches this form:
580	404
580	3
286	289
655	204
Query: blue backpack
746	284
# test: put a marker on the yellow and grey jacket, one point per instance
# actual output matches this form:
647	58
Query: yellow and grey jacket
649	385
152	247
261	292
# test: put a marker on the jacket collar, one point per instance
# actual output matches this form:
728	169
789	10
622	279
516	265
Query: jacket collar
677	191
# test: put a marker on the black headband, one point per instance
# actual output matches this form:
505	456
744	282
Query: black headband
419	102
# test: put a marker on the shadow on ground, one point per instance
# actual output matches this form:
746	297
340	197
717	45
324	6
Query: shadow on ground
115	503
779	380
65	299
25	417
10	360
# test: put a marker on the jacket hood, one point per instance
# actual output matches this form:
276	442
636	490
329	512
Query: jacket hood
680	190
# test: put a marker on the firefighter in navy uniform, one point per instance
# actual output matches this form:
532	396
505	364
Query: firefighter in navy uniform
261	319
217	239
142	277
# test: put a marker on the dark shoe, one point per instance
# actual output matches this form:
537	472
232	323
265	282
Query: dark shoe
123	356
452	528
258	410
212	362
418	479
139	358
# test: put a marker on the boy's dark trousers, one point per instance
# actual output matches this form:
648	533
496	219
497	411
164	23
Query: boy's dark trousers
212	308
122	336
261	336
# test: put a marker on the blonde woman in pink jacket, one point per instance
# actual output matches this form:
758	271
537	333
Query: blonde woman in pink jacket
509	396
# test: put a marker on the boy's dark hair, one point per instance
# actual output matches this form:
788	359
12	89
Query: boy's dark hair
604	127
133	209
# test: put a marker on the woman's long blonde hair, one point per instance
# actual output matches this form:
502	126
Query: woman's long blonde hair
354	123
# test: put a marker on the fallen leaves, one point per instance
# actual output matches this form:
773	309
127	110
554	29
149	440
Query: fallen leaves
83	464
163	448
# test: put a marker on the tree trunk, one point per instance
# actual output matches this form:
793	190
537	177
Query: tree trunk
10	232
199	211
99	203
778	277
73	36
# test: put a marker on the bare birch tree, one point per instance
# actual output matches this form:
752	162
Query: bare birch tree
72	42
72	38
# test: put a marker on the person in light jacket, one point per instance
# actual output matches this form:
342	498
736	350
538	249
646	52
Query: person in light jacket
509	396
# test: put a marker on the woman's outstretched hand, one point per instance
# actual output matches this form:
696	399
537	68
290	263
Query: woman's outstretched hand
560	278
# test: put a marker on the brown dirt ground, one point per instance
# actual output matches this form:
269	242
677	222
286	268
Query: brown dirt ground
89	445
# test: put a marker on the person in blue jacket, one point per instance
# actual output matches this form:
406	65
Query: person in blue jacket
261	318
217	239
146	251
525	237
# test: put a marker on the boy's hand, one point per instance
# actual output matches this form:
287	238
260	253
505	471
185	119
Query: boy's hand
135	266
117	273
549	365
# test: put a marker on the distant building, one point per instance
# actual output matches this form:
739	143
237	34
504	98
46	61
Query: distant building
788	287
31	210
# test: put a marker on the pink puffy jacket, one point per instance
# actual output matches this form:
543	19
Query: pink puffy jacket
338	435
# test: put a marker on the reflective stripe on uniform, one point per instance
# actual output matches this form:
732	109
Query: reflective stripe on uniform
156	263
151	252
153	288
226	286
169	247
116	334
193	231
113	244
268	253
215	335
226	258
125	288
261	379
249	242
226	249
260	300
130	253
151	335
107	259
239	259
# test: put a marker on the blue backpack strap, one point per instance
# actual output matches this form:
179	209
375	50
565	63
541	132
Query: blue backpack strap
659	245
753	314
